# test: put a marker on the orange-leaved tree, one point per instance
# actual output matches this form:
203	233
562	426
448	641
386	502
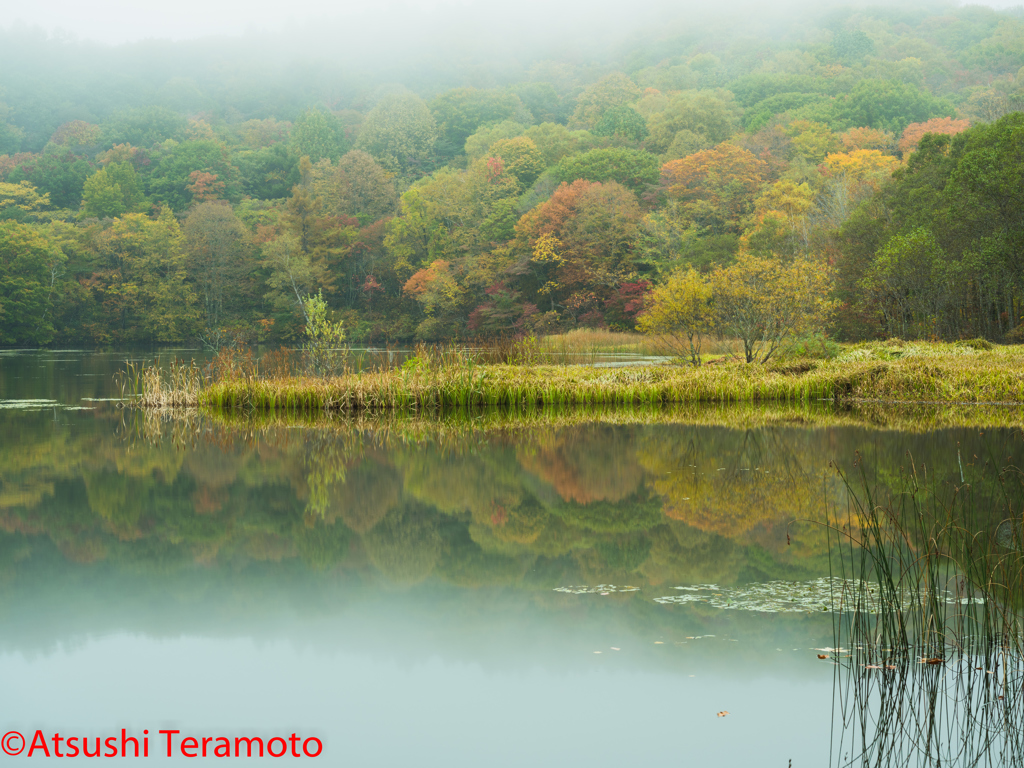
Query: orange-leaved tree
717	186
914	132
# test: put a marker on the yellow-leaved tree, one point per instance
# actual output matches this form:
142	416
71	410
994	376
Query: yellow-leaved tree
762	302
680	311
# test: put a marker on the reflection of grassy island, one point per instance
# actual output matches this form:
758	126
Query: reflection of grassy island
936	373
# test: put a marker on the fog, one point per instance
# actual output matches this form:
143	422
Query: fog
572	21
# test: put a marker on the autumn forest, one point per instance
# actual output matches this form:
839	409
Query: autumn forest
178	194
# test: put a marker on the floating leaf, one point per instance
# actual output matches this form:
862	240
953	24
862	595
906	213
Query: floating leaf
600	589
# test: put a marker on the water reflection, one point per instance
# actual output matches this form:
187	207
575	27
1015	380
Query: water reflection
428	556
652	505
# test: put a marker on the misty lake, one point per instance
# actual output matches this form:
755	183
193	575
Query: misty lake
576	593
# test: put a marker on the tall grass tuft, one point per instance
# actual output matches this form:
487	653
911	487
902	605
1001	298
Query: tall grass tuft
149	386
930	641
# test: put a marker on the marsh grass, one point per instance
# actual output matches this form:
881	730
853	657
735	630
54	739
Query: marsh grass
176	385
592	345
513	374
930	641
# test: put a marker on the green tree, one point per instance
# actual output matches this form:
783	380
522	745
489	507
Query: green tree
268	173
907	285
29	269
216	261
324	345
21	201
318	134
632	168
520	157
58	172
112	191
170	179
712	116
890	105
101	197
614	90
461	111
143	127
556	141
622	122
141	283
400	133
364	188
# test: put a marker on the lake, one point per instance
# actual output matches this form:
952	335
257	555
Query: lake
577	592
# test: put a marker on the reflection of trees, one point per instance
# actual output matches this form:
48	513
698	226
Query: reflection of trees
214	470
405	546
595	503
584	464
682	554
731	481
481	479
370	489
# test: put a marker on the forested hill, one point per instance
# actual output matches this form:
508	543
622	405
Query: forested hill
455	179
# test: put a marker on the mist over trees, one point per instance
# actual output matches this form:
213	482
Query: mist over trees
453	178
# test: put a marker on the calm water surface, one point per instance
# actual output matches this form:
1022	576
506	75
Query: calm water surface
446	598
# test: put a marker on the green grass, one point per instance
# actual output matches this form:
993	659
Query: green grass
917	373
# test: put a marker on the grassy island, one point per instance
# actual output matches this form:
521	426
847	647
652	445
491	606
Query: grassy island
891	372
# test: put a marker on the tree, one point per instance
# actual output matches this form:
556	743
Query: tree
260	134
716	187
681	313
622	122
76	134
364	187
479	144
292	275
556	141
141	283
579	245
324	343
812	141
268	173
866	138
29	268
461	111
614	90
632	168
520	157
906	284
173	173
318	134
914	132
779	224
890	105
112	191
436	288
400	133
713	117
216	251
21	201
101	197
58	172
143	127
763	301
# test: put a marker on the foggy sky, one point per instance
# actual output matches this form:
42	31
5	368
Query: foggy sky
120	21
